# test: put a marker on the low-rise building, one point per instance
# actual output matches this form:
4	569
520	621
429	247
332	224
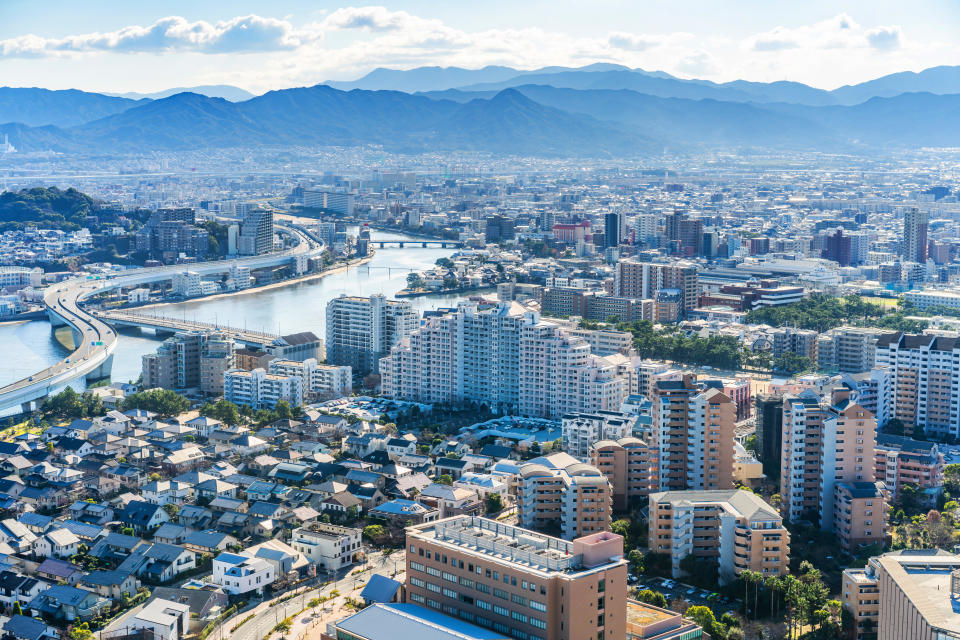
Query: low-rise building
239	574
329	546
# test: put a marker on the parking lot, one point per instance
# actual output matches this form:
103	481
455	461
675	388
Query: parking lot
674	590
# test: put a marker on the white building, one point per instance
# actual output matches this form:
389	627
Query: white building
259	389
933	298
319	381
239	574
187	284
505	358
167	620
582	430
360	331
329	546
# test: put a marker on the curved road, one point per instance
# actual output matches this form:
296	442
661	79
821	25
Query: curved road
96	339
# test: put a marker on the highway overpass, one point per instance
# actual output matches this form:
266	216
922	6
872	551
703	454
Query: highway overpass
96	340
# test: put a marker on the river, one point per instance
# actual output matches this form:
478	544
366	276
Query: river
31	346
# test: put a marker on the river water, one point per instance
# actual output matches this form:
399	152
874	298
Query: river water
31	346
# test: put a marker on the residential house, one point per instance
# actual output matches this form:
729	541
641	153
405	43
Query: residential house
111	584
68	603
143	516
58	543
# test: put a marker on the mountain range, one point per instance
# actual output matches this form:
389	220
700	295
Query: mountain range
609	111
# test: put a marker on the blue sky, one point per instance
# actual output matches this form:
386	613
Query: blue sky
119	45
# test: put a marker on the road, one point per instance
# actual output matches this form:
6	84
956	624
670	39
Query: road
267	616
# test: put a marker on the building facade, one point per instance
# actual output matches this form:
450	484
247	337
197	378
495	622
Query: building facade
360	331
518	582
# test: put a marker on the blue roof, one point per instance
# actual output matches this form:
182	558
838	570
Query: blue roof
389	621
33	519
380	589
401	507
24	627
232	558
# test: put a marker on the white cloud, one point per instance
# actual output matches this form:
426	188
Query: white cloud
237	35
698	64
646	41
371	19
838	32
885	38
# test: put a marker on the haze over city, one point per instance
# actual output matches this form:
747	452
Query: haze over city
489	321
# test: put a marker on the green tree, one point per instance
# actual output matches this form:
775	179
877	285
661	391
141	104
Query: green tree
161	401
414	281
494	503
654	598
375	533
222	410
445	479
704	617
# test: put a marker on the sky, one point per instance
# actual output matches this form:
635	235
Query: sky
150	45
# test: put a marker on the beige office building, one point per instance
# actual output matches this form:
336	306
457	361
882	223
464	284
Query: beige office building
518	582
736	527
909	594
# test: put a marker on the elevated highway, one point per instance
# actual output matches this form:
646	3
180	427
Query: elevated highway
96	340
122	318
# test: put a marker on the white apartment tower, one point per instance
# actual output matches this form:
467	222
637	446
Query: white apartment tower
361	331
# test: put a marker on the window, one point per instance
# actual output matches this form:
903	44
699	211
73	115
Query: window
450	593
538	623
482	588
518	600
516	615
601	586
501	611
500	593
417	582
449	577
538	606
466	582
433	587
431	571
483	604
416	597
416	566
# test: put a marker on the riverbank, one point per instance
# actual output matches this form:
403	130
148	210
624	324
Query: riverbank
266	287
406	293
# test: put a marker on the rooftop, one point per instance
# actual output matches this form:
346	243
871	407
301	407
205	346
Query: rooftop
504	543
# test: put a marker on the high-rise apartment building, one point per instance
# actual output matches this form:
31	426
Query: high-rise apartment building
261	390
256	233
924	381
911	593
558	374
800	342
827	471
630	466
735	527
693	432
581	430
502	357
848	349
644	280
336	201
518	582
647	229
558	492
216	357
361	331
319	381
176	363
914	243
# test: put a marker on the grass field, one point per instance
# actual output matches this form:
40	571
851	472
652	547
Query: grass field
883	302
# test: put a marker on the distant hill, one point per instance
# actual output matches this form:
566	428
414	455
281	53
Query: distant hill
526	120
440	78
37	107
225	91
938	80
